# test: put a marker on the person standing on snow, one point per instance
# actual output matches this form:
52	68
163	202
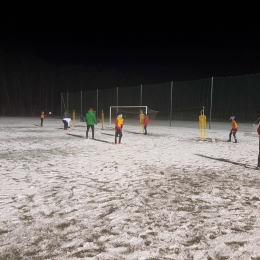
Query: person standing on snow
146	122
118	128
90	121
42	117
121	120
258	163
233	129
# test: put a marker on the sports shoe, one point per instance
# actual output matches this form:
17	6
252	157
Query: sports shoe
228	140
257	168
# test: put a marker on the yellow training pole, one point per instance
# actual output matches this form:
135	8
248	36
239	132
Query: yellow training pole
102	119
73	118
141	117
202	123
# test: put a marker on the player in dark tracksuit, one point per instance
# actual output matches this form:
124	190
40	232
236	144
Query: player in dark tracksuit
146	122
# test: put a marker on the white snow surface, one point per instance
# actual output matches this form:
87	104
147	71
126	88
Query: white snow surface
165	195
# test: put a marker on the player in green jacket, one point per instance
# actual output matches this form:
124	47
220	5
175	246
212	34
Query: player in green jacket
90	121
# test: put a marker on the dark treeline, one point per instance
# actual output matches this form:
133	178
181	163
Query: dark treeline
29	85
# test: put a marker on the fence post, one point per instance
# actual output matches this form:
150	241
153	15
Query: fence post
102	119
80	103
61	105
211	94
141	95
171	105
67	101
97	103
73	118
116	100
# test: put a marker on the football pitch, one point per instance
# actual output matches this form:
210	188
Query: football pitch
165	195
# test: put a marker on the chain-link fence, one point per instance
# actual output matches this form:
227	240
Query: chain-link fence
219	97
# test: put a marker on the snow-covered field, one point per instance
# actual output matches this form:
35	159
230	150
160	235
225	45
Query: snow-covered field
166	195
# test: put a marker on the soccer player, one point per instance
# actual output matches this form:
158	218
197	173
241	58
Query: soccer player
233	129
121	121
66	121
258	163
42	117
90	121
118	128
146	122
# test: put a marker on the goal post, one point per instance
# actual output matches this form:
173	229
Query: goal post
122	108
255	126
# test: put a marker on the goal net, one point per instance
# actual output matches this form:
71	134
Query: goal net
255	126
131	112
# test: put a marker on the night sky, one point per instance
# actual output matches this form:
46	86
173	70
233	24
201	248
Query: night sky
160	41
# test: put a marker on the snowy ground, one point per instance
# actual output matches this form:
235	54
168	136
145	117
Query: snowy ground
166	195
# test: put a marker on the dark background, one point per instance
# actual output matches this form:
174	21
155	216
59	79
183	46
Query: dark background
59	46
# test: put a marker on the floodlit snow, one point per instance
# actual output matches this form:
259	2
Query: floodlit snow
167	195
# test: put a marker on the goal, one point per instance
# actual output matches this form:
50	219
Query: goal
255	126
126	111
131	112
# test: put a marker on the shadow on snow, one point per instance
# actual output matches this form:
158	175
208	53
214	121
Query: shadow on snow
226	160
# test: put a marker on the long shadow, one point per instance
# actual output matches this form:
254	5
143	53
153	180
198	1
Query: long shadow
80	136
99	140
103	141
80	126
25	126
107	134
226	160
123	131
132	132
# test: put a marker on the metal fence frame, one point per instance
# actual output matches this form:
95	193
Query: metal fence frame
205	96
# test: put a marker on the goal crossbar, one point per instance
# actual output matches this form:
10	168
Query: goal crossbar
124	107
